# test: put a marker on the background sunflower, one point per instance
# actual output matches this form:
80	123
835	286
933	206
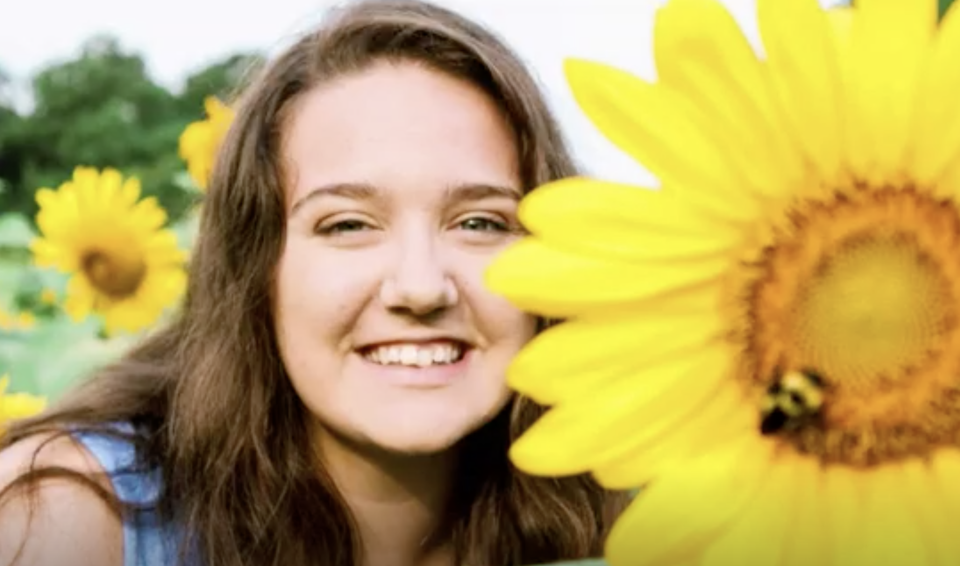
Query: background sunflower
123	264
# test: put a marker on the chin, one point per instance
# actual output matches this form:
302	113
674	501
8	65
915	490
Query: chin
422	427
419	441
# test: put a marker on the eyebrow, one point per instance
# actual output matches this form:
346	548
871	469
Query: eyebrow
363	191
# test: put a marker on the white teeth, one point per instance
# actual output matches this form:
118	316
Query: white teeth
408	355
421	355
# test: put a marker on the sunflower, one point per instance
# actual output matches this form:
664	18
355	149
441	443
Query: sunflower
17	405
23	320
200	141
770	340
123	265
48	297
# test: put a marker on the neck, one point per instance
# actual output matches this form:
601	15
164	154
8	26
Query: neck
399	501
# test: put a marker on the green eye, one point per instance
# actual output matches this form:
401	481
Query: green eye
480	223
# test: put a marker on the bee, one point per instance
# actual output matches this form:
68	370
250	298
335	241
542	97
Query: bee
794	399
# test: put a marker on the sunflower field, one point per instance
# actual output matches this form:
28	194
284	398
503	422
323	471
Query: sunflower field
101	266
99	193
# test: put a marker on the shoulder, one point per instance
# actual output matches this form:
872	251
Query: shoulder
56	518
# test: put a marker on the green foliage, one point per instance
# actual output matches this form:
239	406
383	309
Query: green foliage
102	109
220	79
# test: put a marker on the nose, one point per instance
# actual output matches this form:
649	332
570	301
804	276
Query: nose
419	282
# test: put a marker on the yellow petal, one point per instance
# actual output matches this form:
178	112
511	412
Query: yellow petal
840	20
944	470
107	189
14	406
806	541
214	108
805	77
80	298
756	537
935	519
889	533
622	222
657	128
701	51
889	41
575	436
936	137
130	192
844	491
570	360
686	509
541	279
724	420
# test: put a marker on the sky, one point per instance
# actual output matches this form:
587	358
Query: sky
177	37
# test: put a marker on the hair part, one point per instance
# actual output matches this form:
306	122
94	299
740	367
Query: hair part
208	396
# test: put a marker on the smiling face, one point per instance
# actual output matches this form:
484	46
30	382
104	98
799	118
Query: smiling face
402	185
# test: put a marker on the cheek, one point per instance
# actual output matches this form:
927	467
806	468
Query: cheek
320	288
317	301
513	327
505	328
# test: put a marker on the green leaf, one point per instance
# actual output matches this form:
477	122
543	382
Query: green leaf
943	6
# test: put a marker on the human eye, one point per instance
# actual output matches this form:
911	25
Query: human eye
486	229
484	224
341	226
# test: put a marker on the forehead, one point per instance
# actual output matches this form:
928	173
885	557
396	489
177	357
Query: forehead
398	125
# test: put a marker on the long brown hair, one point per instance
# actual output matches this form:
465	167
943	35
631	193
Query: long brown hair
208	397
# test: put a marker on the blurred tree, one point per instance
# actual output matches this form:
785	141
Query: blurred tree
6	85
220	79
11	170
102	109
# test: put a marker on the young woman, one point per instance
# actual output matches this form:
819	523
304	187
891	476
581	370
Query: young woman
332	392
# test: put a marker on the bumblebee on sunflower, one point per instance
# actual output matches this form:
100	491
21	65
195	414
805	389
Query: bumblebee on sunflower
770	341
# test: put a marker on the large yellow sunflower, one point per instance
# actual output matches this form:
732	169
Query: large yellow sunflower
771	341
123	264
15	406
201	140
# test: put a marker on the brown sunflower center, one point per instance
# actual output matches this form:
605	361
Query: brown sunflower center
112	275
863	292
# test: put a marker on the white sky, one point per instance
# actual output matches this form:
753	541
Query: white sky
177	37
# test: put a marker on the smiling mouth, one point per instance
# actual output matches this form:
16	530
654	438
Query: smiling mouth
416	355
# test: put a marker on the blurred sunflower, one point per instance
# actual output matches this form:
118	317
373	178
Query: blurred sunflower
17	405
773	337
123	265
48	297
23	320
200	141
